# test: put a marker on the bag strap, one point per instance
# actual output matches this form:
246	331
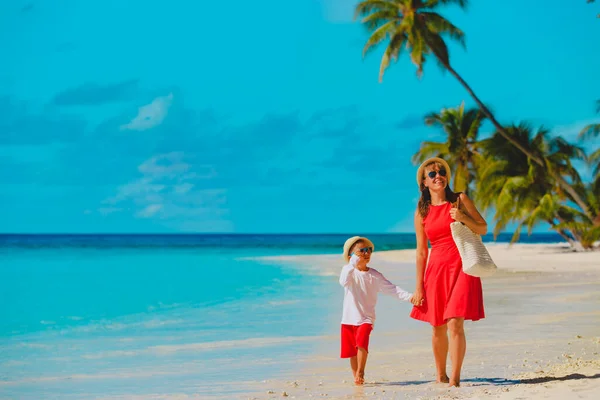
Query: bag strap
458	205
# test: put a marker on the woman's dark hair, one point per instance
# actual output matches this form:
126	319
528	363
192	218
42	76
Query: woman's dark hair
425	200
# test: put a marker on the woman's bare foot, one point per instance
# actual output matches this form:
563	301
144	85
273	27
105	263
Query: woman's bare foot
443	379
454	384
359	379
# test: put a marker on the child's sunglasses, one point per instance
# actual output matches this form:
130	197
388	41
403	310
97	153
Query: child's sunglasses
432	174
366	250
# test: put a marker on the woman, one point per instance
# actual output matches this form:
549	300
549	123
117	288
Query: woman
447	296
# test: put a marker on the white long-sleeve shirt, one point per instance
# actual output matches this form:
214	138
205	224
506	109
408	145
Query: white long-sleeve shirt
360	294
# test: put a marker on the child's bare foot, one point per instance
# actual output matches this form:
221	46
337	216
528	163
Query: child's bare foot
443	379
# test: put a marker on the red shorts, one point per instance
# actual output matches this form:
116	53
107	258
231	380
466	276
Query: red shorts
354	336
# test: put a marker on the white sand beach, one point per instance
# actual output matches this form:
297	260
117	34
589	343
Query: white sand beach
540	337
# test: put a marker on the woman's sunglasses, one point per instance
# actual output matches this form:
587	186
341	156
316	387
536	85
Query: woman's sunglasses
432	174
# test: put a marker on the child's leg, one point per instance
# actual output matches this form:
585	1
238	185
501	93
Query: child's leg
354	366
362	363
363	334
348	336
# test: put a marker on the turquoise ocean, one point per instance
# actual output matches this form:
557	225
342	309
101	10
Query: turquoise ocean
84	316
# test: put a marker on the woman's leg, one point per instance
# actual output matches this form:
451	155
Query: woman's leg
458	348
439	342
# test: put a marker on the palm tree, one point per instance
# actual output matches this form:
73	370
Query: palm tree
522	191
414	25
460	148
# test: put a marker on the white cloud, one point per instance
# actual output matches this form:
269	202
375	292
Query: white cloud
338	11
149	210
183	188
150	115
104	211
139	188
169	164
171	190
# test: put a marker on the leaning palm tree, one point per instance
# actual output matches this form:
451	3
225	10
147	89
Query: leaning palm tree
521	191
460	147
417	27
552	210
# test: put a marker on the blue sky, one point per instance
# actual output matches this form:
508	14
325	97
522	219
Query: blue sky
181	116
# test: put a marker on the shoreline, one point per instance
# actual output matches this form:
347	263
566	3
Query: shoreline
542	313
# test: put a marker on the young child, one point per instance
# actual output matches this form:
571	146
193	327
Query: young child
361	286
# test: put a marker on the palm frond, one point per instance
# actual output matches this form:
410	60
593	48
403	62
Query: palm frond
590	131
430	149
438	48
379	35
433	119
517	235
368	6
392	52
434	3
594	158
419	46
440	25
378	18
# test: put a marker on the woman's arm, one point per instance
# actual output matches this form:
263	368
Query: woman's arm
422	254
467	213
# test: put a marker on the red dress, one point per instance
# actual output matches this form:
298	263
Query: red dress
449	292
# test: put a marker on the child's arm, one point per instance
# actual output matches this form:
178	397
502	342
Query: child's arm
390	289
346	275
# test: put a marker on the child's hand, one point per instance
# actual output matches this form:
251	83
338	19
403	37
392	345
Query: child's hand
417	298
361	260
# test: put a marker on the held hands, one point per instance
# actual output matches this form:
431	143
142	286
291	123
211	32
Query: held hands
417	298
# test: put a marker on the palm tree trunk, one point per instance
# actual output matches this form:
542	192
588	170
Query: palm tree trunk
564	184
563	233
574	233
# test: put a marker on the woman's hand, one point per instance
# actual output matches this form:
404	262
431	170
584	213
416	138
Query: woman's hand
457	215
470	216
417	298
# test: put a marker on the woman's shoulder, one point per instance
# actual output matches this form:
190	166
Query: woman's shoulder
464	198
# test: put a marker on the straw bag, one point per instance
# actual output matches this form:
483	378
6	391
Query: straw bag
476	260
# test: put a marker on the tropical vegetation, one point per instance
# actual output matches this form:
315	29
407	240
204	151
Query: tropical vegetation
461	149
506	181
418	27
526	175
